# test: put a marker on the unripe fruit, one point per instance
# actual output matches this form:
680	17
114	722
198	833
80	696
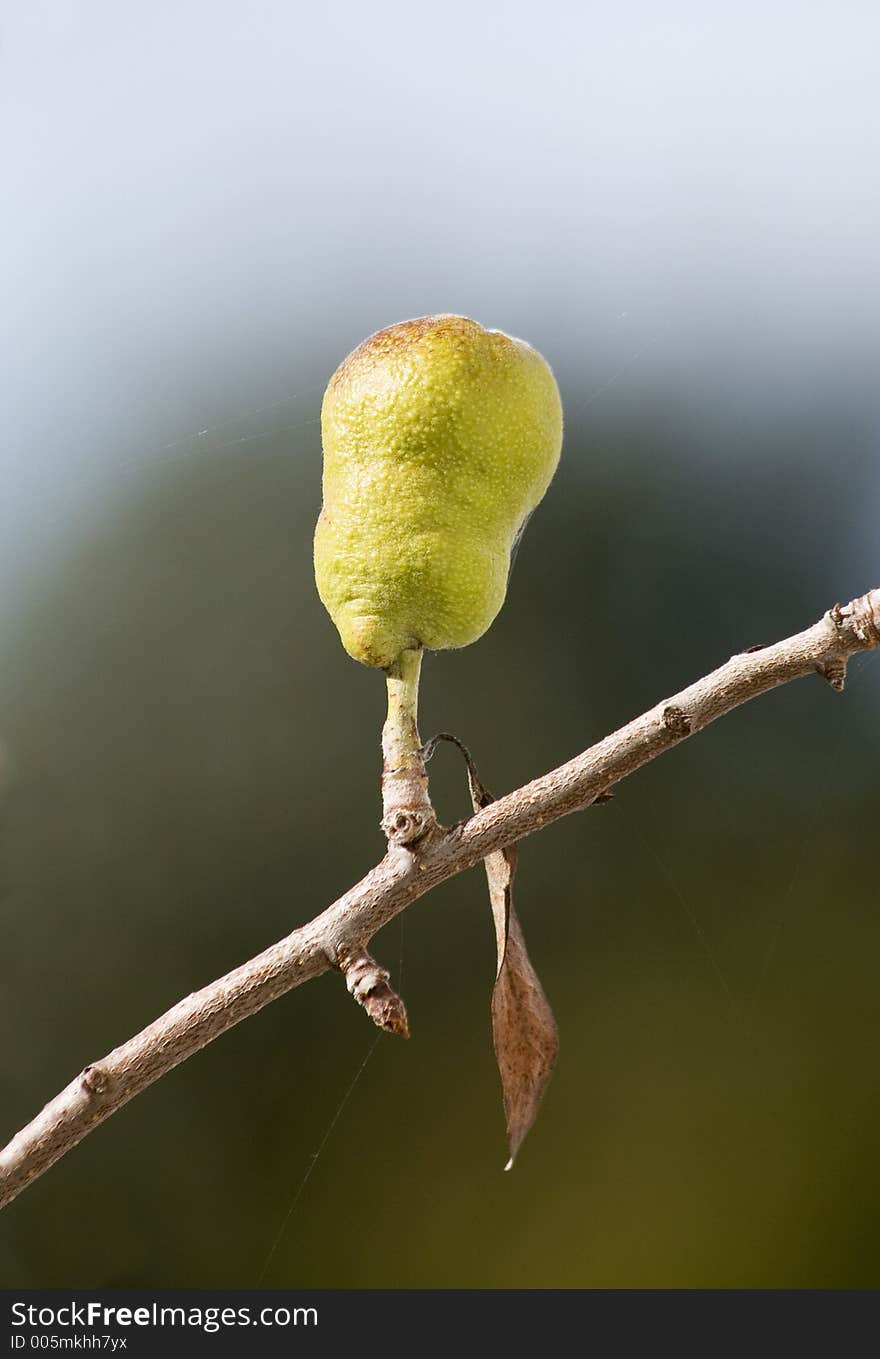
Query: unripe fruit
440	438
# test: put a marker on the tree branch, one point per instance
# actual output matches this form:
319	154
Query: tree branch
338	938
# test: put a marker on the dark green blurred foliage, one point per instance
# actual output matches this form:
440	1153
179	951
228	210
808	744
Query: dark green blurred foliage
192	770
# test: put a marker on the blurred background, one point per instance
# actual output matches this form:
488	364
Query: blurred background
207	206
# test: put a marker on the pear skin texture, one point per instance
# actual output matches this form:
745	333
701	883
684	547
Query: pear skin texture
440	438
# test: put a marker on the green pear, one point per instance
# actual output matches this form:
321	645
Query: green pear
440	438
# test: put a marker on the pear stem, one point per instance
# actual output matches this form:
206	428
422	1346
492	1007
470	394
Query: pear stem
407	814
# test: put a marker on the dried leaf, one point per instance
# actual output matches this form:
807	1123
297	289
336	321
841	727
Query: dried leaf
523	1028
525	1036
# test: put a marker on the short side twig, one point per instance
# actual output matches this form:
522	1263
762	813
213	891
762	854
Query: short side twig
371	987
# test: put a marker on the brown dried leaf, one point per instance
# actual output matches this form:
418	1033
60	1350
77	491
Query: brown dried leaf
523	1028
525	1036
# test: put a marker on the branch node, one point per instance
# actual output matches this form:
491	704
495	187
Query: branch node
834	671
370	985
95	1079
676	722
405	825
861	617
